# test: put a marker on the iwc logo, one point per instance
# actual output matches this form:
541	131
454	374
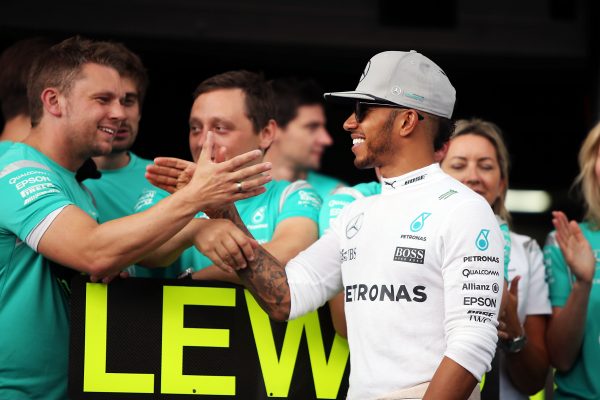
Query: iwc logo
354	226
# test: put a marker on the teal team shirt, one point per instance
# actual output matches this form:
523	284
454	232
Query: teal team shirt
582	381
34	315
117	191
324	185
4	145
340	198
261	215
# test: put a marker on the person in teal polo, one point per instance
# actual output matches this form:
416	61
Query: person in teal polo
301	135
117	190
49	227
572	258
237	106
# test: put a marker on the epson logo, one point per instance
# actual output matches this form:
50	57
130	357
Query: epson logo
35	179
408	254
413	180
479	301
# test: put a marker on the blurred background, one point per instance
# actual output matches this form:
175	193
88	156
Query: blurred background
531	66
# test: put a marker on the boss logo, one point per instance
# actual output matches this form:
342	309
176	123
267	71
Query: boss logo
409	254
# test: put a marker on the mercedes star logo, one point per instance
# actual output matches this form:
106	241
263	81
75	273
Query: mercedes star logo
354	226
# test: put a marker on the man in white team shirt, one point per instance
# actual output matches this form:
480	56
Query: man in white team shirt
420	265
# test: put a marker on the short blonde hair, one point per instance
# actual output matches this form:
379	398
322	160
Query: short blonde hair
587	179
493	134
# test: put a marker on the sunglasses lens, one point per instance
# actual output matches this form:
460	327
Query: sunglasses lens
358	111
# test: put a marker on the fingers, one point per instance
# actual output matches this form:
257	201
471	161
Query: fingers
206	155
235	255
166	171
575	230
514	286
238	161
246	194
220	154
172	167
250	171
245	244
171	163
560	221
502	329
219	258
159	180
503	335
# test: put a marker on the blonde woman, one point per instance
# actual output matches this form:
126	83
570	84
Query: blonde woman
477	157
574	279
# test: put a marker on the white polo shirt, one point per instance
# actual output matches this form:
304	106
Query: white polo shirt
421	268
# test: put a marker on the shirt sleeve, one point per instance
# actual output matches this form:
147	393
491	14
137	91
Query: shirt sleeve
538	302
472	258
507	243
315	275
332	206
28	196
150	197
299	199
558	274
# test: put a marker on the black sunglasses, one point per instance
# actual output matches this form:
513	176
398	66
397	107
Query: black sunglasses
361	107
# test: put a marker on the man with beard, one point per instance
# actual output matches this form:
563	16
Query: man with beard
420	265
75	100
122	180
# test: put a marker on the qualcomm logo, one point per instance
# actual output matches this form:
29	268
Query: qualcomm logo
259	215
354	226
482	240
419	222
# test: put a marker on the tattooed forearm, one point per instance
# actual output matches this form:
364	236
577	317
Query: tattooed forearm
265	276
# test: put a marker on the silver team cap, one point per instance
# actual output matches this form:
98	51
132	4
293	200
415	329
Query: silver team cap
405	78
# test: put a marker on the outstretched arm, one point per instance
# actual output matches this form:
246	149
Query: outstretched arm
290	237
567	325
264	276
75	240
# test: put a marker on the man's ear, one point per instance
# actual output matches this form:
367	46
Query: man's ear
267	134
52	102
407	121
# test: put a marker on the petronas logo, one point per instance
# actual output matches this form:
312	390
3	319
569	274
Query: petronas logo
419	222
447	194
482	240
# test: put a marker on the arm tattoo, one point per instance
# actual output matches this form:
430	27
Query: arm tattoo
265	277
